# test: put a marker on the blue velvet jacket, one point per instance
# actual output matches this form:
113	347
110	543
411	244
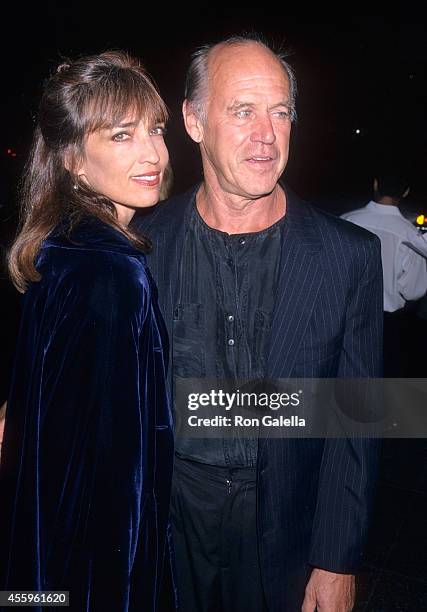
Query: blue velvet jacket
87	460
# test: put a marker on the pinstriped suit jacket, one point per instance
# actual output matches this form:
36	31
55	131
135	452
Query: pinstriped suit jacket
314	495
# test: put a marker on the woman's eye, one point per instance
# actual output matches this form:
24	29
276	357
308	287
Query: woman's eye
158	130
120	137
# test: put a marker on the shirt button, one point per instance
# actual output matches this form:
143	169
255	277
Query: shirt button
230	318
242	241
231	342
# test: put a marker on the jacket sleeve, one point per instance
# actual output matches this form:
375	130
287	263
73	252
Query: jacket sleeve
349	465
82	427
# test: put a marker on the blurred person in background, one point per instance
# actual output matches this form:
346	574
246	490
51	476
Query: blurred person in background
404	267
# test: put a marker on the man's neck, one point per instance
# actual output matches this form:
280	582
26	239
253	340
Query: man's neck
234	215
387	201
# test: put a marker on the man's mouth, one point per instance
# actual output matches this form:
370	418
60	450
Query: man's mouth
260	159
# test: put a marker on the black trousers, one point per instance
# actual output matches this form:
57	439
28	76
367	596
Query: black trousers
401	343
213	514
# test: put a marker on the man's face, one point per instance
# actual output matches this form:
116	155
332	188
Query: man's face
245	138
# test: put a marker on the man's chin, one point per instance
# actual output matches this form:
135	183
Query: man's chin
260	190
250	188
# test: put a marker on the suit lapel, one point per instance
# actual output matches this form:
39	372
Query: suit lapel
167	236
299	283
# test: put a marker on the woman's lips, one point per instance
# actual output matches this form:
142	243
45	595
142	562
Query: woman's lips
150	179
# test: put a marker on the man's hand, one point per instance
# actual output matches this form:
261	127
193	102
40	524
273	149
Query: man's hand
329	592
2	415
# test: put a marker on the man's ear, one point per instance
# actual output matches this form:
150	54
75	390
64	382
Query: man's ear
193	125
375	184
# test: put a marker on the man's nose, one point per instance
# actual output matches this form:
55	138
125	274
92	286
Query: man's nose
263	131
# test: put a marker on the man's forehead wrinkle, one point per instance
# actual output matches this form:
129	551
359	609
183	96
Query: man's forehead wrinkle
237	102
225	81
232	60
249	84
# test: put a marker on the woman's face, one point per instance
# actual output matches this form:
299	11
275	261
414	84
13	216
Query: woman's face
126	164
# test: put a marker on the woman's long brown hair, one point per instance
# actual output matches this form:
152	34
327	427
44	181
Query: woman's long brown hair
81	97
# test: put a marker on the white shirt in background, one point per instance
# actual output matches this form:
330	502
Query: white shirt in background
404	270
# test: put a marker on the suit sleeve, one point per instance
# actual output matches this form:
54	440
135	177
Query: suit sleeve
349	465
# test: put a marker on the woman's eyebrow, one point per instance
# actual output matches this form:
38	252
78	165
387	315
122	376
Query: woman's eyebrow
125	125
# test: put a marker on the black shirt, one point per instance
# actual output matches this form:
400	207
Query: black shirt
222	319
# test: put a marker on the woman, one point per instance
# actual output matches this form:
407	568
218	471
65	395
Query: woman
87	455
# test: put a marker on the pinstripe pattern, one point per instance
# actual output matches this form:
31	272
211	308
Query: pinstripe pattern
314	495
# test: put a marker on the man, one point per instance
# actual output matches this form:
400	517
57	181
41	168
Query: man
255	283
404	267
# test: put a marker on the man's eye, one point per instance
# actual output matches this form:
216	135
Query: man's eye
120	137
242	114
282	114
158	130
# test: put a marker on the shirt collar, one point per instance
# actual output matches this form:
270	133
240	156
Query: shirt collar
387	209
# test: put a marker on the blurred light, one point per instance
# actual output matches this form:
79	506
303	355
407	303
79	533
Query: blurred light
420	220
357	131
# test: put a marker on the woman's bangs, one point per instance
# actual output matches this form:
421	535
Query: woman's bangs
133	101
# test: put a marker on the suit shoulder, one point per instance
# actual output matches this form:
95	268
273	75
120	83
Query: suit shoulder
339	230
346	247
164	213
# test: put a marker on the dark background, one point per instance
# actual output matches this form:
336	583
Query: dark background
356	73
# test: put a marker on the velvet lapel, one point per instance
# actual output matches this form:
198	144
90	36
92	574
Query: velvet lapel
299	283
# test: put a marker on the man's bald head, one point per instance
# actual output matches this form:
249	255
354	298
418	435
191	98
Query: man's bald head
197	82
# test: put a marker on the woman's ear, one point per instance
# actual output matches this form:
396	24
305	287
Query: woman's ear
69	160
73	162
